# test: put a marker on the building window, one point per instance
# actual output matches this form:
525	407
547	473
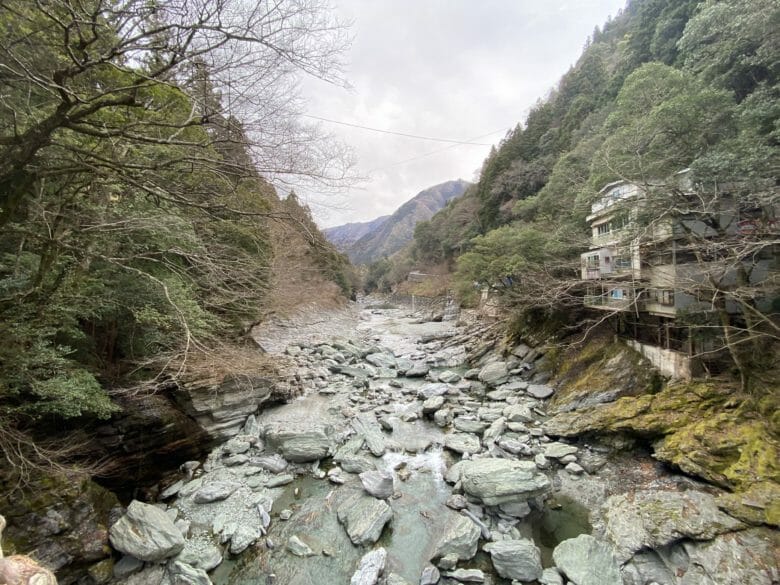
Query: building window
622	263
592	261
617	294
604	228
663	296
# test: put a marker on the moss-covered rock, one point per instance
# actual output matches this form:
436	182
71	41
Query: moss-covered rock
704	428
60	521
601	371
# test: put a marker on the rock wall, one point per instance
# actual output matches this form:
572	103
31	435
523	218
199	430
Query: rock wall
62	522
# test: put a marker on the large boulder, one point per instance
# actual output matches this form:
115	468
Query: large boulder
460	537
500	481
371	566
364	518
301	445
494	374
215	491
651	519
366	426
221	405
587	561
146	532
378	483
516	559
462	443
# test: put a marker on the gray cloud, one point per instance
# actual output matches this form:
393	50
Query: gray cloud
454	69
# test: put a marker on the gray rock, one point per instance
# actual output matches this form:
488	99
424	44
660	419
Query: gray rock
520	350
648	567
395	579
541	461
495	430
516	509
468	425
433	404
457	502
429	390
280	480
494	374
558	450
201	554
274	463
222	406
462	443
378	483
236	446
418	370
252	428
301	445
172	490
146	533
448	562
467	576
382	360
574	469
430	575
245	534
516	559
371	566
651	519
184	574
215	491
365	425
449	377
514	387
551	577
126	566
518	413
736	558
299	548
460	537
513	444
442	417
500	481
587	561
357	464
364	518
540	391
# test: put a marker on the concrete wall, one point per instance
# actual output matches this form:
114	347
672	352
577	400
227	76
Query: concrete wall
670	363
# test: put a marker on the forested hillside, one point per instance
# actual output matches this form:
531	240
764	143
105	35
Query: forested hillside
397	230
139	225
664	86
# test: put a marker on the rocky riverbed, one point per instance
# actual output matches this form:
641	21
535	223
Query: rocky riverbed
418	454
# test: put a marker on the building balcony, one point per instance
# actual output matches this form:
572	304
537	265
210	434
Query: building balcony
615	298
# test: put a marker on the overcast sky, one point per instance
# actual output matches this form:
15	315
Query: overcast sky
450	69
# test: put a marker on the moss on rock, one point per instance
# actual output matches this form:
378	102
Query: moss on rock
707	429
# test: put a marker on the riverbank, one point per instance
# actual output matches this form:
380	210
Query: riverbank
418	452
397	450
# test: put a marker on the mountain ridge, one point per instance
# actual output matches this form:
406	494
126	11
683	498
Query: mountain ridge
388	234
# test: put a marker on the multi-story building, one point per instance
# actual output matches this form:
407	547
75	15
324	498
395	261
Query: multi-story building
660	252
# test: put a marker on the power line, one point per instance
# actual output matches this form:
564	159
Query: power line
398	133
438	150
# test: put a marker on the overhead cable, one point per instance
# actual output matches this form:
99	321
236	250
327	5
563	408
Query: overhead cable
404	134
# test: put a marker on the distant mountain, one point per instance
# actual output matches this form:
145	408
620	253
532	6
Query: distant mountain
394	232
343	236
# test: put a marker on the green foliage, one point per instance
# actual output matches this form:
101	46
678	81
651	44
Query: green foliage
377	277
134	224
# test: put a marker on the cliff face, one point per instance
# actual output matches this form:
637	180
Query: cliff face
386	235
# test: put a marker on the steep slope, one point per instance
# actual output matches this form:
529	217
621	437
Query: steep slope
398	230
344	236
